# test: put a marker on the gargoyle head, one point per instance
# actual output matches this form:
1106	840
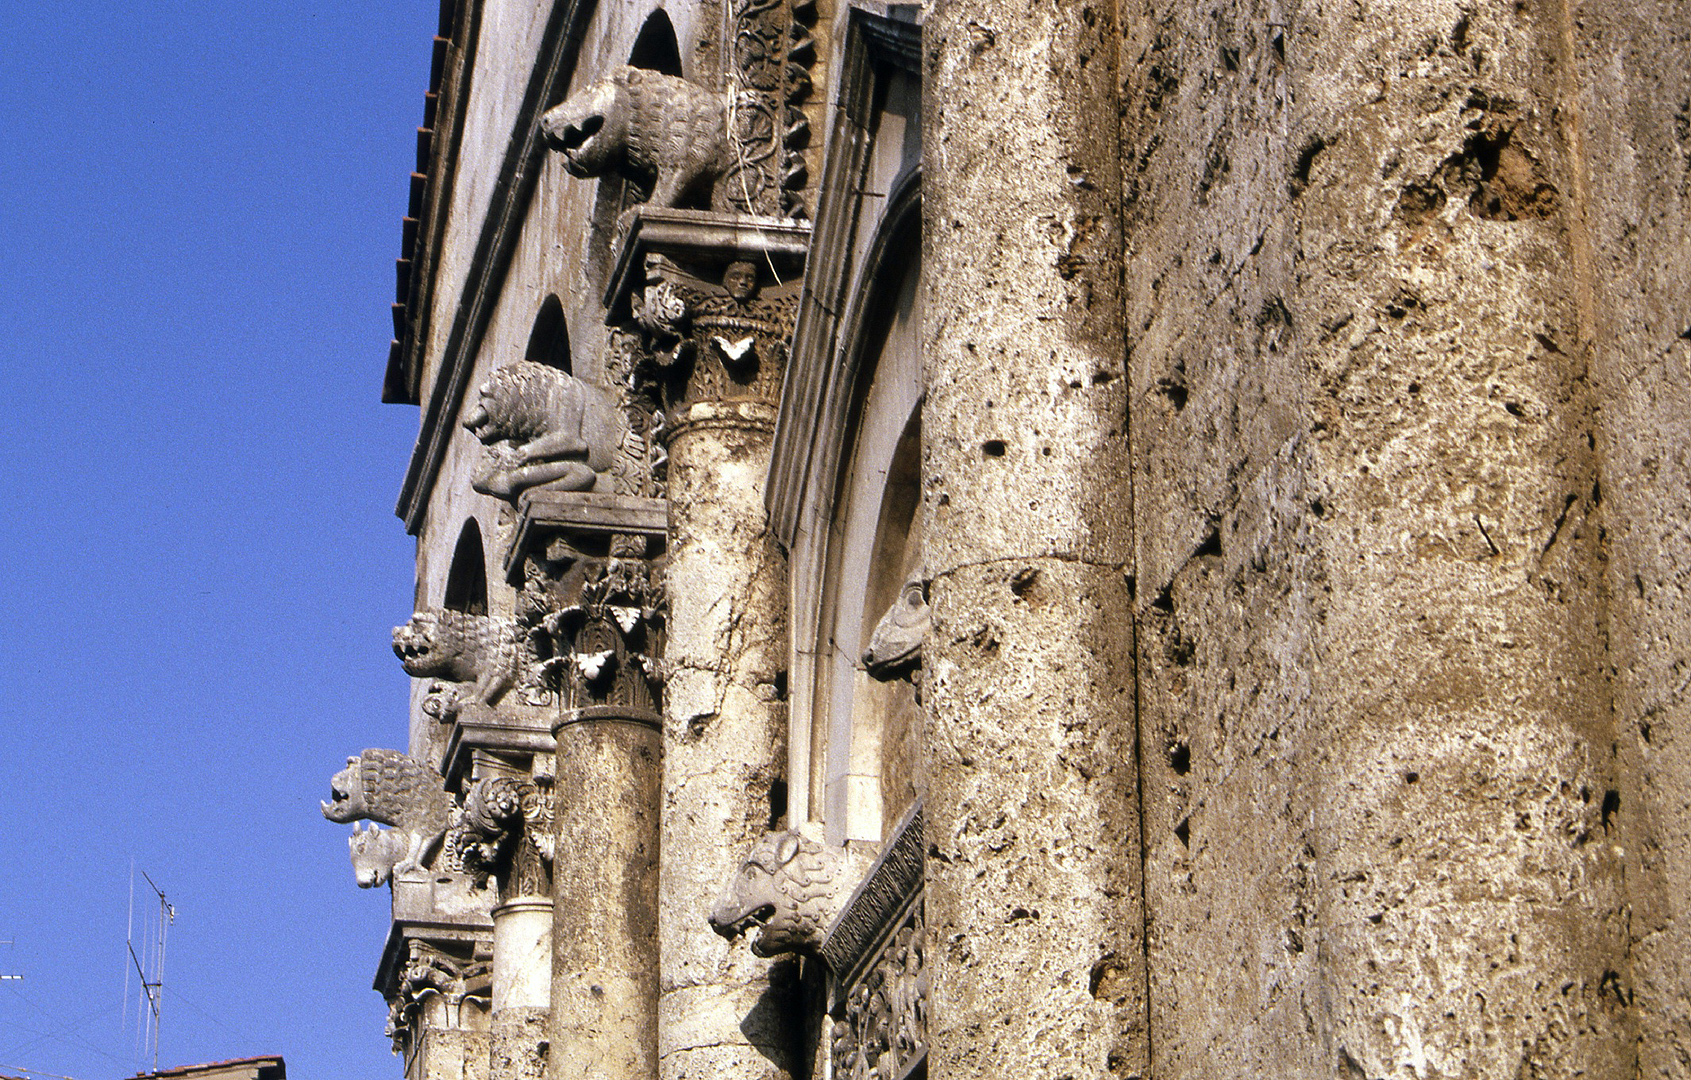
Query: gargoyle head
788	889
427	647
346	791
590	129
895	646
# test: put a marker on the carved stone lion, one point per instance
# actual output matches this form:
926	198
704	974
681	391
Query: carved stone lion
388	787
788	890
485	651
646	124
556	430
375	852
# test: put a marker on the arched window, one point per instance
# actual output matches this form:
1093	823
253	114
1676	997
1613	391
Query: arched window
466	581
655	49
549	341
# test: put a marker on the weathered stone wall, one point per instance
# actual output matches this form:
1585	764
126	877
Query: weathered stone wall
1033	900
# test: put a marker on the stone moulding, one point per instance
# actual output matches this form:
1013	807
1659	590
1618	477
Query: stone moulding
878	45
878	907
505	730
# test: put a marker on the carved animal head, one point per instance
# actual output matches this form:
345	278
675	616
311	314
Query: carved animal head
389	787
374	853
346	791
895	646
515	402
591	128
788	889
434	645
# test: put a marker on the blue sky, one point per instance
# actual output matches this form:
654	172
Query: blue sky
199	562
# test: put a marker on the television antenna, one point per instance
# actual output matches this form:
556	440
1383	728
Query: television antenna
4	977
151	971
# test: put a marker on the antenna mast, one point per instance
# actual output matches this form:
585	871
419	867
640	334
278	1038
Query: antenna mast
153	985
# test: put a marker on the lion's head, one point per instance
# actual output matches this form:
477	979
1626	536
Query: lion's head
788	889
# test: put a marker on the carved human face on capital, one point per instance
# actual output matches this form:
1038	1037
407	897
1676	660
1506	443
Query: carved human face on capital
740	281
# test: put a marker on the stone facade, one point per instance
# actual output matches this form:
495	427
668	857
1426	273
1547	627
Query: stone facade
1145	540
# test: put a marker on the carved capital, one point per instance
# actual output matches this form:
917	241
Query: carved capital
713	341
504	831
428	972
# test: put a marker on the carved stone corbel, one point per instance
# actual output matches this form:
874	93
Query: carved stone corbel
544	427
483	656
391	788
895	645
646	125
504	831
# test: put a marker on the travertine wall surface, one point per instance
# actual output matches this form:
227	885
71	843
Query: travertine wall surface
1393	322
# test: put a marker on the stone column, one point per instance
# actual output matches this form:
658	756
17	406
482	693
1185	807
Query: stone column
605	963
1033	879
1467	882
1634	122
522	977
725	738
504	832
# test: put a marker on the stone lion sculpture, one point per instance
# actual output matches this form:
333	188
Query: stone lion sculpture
788	889
391	788
554	429
645	124
484	651
375	852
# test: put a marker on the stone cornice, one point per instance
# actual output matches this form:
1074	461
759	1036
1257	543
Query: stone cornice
501	229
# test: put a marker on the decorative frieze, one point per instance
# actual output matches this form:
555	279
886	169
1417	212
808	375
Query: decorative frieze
772	54
876	956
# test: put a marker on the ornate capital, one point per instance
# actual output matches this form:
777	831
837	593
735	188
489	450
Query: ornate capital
717	342
504	831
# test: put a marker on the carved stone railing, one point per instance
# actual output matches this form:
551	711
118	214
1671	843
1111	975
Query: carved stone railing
876	952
